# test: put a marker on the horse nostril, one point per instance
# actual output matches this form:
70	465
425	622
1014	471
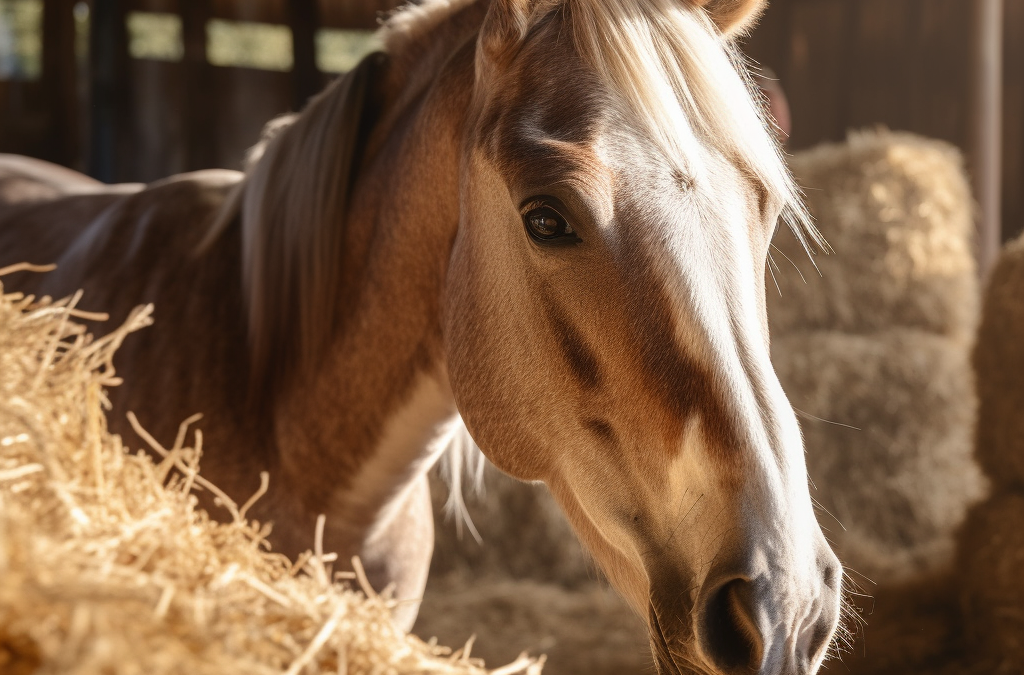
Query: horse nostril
832	574
730	637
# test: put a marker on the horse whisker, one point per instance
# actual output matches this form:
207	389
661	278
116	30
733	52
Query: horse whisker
822	419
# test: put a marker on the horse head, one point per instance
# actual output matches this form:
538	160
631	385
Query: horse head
604	319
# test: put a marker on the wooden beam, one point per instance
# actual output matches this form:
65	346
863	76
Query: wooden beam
304	19
986	126
60	70
111	88
201	96
363	14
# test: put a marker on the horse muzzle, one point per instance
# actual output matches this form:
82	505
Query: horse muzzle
744	624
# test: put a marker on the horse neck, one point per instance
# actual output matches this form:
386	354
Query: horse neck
357	433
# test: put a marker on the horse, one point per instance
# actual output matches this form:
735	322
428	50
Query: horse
545	221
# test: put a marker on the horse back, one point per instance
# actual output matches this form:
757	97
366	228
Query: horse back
123	245
53	215
26	179
44	207
128	246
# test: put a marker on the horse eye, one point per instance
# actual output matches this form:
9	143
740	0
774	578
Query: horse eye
544	224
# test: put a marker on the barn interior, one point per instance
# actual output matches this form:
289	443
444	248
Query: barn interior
902	353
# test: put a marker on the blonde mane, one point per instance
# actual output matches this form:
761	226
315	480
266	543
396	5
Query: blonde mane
687	83
292	205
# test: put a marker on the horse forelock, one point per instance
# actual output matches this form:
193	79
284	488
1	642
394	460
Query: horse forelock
682	82
687	83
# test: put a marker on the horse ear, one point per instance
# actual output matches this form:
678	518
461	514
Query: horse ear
733	17
504	26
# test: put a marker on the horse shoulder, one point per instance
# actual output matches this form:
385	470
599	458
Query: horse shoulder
90	230
143	249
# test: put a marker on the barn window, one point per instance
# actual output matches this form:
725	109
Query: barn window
158	36
338	51
248	44
153	35
81	13
21	39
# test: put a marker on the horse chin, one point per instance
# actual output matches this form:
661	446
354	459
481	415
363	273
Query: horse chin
666	667
666	661
668	664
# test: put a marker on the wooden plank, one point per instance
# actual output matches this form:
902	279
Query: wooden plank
110	91
263	11
814	73
201	97
985	156
364	14
158	120
881	74
1013	114
24	118
333	13
306	77
939	86
162	6
60	81
247	99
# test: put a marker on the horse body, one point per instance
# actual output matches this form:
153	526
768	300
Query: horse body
494	220
127	249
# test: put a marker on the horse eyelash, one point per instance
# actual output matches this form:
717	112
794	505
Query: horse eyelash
534	204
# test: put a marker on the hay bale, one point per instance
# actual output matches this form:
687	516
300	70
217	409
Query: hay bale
897	472
106	564
991	560
897	210
877	344
999	368
991	542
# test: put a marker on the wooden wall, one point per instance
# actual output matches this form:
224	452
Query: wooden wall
187	115
40	117
124	119
191	115
845	64
904	64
